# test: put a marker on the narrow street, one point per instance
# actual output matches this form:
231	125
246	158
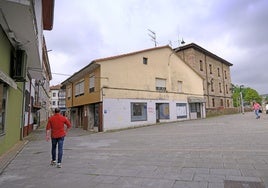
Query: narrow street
225	151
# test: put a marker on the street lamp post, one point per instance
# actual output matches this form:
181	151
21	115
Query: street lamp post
241	99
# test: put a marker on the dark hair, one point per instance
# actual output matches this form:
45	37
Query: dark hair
57	110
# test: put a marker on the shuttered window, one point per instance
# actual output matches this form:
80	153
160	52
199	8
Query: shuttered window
69	93
79	88
91	83
160	84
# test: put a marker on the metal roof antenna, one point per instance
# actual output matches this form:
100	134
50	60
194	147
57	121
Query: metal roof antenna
153	36
180	41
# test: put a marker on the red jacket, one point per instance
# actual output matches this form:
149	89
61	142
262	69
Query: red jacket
56	124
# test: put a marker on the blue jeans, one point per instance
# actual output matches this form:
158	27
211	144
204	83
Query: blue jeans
257	113
55	142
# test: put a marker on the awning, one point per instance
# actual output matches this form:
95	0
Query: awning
7	79
196	100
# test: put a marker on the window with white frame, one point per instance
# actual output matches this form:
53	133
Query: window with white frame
79	88
160	84
138	111
181	110
91	83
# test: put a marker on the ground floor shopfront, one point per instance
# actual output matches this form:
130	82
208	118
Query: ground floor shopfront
113	114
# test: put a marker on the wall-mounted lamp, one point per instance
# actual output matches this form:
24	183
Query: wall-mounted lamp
182	41
40	82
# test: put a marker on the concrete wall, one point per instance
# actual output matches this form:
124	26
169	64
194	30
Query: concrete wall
117	113
129	72
13	111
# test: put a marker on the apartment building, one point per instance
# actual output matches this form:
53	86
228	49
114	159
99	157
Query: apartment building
57	98
214	70
134	89
24	67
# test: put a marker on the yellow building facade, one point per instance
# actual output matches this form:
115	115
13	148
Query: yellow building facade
135	89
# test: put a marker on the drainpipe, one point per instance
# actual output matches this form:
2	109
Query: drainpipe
169	74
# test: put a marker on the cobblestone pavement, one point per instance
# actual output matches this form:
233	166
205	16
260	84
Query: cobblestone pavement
218	152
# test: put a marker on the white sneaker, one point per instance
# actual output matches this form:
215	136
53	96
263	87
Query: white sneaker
53	163
59	165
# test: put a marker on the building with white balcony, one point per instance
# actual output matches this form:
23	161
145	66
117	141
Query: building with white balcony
57	98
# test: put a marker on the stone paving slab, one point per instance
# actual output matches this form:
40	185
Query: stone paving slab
7	157
207	153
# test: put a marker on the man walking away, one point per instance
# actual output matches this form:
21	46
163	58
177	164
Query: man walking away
56	129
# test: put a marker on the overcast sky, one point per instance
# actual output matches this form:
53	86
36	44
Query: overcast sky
235	30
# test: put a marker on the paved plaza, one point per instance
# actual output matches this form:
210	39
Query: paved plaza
226	151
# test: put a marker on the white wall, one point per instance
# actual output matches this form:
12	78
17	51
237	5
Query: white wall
117	113
39	22
56	98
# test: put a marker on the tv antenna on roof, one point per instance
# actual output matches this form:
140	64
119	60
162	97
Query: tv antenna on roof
153	36
180	42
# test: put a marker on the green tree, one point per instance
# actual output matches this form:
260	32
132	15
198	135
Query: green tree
236	99
252	95
249	95
236	95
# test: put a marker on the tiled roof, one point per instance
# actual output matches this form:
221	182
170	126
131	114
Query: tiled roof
56	87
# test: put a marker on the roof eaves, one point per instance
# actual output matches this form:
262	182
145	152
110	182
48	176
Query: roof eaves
131	53
199	48
48	13
78	72
95	62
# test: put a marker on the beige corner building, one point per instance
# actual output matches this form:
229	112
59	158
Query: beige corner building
134	89
214	70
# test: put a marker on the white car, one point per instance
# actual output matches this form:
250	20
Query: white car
266	108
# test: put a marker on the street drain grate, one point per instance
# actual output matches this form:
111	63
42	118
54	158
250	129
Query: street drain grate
242	184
